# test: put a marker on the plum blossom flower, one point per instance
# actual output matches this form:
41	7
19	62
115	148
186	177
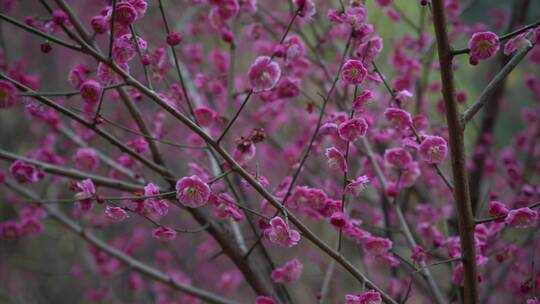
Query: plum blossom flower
30	226
91	91
433	149
522	218
515	43
306	8
289	273
398	118
164	233
125	13
9	230
78	74
338	219
116	214
125	48
192	192
497	209
361	100
483	45
398	157
353	129
263	74
281	234
154	203
8	94
86	191
264	300
357	185
24	173
377	245
368	297
419	254
86	159
225	208
354	72
205	116
100	24
336	160
174	38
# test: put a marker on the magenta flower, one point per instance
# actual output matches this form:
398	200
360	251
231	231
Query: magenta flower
86	159
24	173
205	116
30	226
433	149
264	300
174	38
398	118
156	205
515	43
522	218
164	233
354	72
125	48
418	254
483	45
192	192
78	74
263	74
368	297
398	157
357	185
9	230
289	273
86	191
125	13
100	24
280	234
306	8
353	129
338	219
336	160
225	207
116	214
377	245
8	94
91	91
361	100
497	209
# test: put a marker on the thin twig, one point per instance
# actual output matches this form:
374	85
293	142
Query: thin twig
494	84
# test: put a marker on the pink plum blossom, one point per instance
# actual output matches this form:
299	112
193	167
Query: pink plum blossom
433	149
353	72
280	234
263	74
289	273
192	191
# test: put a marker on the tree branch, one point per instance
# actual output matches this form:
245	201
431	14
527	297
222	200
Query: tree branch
457	153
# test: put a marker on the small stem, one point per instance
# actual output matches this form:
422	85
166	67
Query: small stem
233	120
494	84
67	93
501	38
113	17
500	217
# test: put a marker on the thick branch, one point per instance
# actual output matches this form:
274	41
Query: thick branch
457	153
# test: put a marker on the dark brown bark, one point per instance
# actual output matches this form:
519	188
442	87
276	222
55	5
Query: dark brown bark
457	154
